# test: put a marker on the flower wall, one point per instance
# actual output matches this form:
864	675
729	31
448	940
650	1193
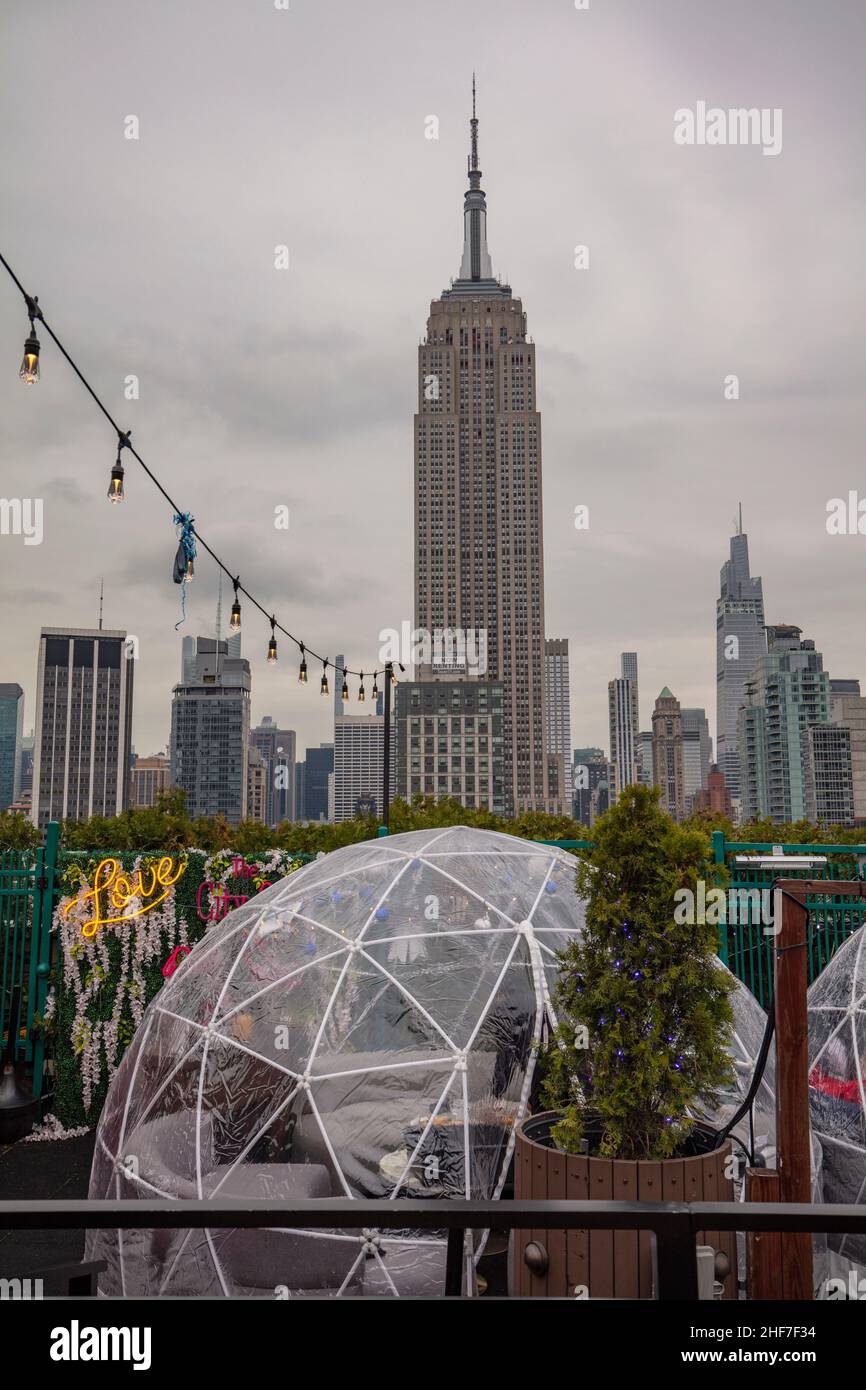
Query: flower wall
123	922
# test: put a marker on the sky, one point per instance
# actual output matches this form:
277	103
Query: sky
262	388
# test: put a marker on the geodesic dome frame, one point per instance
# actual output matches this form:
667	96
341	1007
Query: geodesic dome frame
366	1027
837	1081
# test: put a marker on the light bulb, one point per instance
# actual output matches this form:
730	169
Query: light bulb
344	693
272	649
235	620
189	572
324	678
361	695
302	669
115	486
29	371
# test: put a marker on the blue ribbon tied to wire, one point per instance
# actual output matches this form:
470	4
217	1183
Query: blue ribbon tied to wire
183	560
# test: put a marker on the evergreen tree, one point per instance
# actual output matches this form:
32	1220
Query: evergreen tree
643	1000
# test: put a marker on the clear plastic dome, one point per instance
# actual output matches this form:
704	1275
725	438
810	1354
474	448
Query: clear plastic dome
366	1028
756	1130
837	1089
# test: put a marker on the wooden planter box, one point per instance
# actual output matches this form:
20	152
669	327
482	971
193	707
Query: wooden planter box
609	1264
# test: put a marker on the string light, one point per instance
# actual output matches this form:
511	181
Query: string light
235	620
344	694
115	485
184	566
361	695
29	370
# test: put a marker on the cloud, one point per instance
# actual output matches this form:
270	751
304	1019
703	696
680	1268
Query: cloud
259	387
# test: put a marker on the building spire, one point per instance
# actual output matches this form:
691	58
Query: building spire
473	127
476	264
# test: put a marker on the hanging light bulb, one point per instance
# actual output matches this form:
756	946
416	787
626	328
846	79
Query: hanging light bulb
344	693
29	370
361	695
302	669
115	485
235	620
272	645
189	572
325	676
375	694
393	677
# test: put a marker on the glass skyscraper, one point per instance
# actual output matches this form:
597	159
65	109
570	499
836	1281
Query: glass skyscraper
11	730
740	644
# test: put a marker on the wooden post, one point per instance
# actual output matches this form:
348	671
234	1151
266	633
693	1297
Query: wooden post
764	1248
793	1158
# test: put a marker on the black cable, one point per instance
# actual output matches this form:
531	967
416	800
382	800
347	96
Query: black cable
177	511
757	1077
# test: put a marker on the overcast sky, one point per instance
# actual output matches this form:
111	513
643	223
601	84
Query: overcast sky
260	388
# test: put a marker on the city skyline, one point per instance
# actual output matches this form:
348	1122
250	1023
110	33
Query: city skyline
632	352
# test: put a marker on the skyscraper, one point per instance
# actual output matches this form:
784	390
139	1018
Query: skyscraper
644	758
257	786
277	747
559	713
623	717
28	744
828	788
83	724
359	745
339	704
696	753
318	772
589	767
479	562
740	644
210	727
449	742
11	733
668	753
628	670
787	691
149	778
848	708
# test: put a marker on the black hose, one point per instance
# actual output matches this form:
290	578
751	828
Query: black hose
757	1077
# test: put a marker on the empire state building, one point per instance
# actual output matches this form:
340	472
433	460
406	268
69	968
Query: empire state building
479	559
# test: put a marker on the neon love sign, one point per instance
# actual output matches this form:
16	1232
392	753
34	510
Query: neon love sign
114	889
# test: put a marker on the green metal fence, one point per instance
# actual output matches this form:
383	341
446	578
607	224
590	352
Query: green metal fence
746	942
26	900
29	882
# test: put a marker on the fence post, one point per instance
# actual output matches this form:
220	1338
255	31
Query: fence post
40	943
719	850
